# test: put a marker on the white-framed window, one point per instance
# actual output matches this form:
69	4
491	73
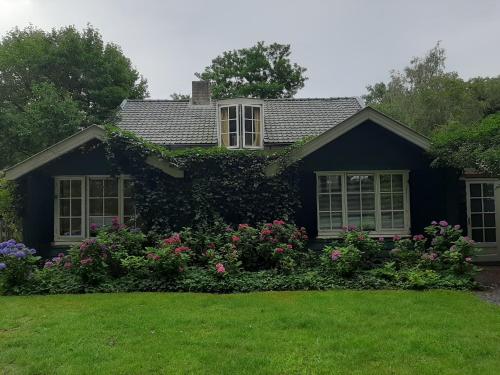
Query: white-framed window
482	213
375	201
69	208
81	201
252	129
241	126
229	126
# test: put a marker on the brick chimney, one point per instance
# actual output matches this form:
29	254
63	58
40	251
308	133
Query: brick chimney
200	94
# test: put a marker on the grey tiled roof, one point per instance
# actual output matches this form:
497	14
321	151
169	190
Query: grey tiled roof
178	122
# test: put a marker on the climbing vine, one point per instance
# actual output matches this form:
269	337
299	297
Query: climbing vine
217	184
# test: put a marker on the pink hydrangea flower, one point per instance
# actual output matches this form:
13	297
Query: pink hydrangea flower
443	223
243	226
433	222
236	239
279	250
336	254
289	246
278	222
86	261
418	237
266	232
396	238
457	227
219	267
181	249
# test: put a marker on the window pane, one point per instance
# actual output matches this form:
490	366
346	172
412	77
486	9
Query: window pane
475	190
232	126
76	188
490	235
76	207
232	112
336	221
354	218
385	182
368	201
256	139
64	227
256	113
368	220
128	188
397	201
95	207
398	220
489	205
385	201
397	183
248	112
64	188
324	220
76	227
96	220
336	202
324	202
489	220
96	188
477	235
323	184
367	184
224	113
386	219
232	139
225	139
111	207
248	139
353	183
353	203
64	207
488	190
477	220
111	187
248	126
108	220
335	183
224	126
475	205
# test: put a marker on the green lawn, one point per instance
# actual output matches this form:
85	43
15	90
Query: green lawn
338	332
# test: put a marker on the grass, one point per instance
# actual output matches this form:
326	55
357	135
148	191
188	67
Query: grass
338	332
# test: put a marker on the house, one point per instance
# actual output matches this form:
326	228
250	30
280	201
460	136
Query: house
360	168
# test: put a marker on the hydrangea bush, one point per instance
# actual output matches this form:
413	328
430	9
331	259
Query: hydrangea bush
17	262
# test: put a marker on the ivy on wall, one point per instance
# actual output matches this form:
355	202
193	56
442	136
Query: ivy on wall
217	184
10	206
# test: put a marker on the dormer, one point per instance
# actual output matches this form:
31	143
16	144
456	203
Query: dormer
240	123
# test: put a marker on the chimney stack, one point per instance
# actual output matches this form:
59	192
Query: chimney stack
200	94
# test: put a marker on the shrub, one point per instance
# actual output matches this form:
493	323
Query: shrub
90	260
343	261
370	248
17	262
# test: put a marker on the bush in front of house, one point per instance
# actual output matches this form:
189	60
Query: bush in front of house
223	259
17	263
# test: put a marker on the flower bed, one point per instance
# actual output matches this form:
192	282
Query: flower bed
221	258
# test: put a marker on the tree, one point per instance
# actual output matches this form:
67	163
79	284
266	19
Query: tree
179	96
466	146
261	71
53	83
425	96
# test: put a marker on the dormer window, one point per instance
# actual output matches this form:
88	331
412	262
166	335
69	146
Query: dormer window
240	126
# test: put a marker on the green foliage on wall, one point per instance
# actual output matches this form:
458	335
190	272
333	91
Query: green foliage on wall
218	184
9	208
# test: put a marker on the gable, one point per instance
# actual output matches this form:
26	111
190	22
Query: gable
368	117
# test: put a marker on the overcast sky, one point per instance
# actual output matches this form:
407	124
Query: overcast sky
345	45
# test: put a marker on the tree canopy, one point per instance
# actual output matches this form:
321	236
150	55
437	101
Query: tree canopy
426	96
261	71
53	83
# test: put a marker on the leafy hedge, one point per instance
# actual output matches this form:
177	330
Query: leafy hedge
219	184
221	258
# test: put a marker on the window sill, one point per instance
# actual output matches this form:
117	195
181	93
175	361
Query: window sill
335	235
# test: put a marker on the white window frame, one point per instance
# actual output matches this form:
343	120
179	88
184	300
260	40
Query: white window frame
496	199
379	231
57	235
240	105
261	144
219	126
66	240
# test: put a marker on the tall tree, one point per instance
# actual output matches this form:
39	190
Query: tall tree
261	71
52	83
425	96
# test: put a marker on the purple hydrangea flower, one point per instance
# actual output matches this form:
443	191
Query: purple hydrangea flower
3	266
